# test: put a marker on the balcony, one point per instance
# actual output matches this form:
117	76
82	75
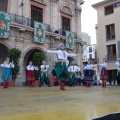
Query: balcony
63	32
110	37
112	57
21	20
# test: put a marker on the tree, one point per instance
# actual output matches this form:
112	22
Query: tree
38	57
14	55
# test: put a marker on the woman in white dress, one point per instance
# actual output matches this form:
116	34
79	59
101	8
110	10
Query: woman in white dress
7	72
30	74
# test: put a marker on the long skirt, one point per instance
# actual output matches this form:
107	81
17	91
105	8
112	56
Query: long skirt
44	78
104	74
7	75
60	71
88	75
72	79
30	76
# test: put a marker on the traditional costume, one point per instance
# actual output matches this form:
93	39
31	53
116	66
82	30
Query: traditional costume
118	73
79	80
7	73
31	75
44	74
88	74
104	73
73	74
60	70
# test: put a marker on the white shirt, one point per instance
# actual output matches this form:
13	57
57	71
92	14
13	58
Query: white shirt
31	68
67	62
61	53
88	67
7	65
104	64
44	68
118	65
73	69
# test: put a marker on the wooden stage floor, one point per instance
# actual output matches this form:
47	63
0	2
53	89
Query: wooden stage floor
78	103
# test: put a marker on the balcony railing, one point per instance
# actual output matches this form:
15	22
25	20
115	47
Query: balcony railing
17	19
110	37
63	32
112	57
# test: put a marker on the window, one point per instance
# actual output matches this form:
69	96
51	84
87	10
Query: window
90	56
90	49
117	4
3	5
110	32
65	23
36	13
109	9
111	52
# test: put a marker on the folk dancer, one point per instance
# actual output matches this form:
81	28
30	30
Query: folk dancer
60	70
30	74
104	72
88	73
54	78
79	80
73	70
7	72
118	73
44	75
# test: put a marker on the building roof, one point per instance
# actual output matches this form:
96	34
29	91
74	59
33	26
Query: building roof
102	3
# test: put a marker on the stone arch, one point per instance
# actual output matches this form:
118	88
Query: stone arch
67	10
26	57
30	48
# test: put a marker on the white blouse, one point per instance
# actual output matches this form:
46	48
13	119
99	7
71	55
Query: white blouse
31	68
61	54
7	65
44	68
118	65
73	69
104	64
88	67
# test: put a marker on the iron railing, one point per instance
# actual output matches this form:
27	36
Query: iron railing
112	57
63	32
17	19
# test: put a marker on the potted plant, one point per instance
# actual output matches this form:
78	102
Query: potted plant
14	55
38	57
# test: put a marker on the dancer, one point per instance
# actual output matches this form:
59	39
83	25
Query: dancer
60	70
7	73
73	69
88	73
118	68
54	78
104	72
44	75
30	74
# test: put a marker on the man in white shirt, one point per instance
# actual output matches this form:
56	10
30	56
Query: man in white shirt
44	75
60	70
73	69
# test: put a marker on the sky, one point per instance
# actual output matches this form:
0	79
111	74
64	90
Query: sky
89	19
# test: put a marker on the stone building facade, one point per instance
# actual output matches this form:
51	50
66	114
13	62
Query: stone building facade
58	15
107	33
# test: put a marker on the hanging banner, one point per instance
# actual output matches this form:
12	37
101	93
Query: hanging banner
69	40
39	32
4	25
118	49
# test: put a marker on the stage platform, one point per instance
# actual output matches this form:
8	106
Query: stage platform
78	103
